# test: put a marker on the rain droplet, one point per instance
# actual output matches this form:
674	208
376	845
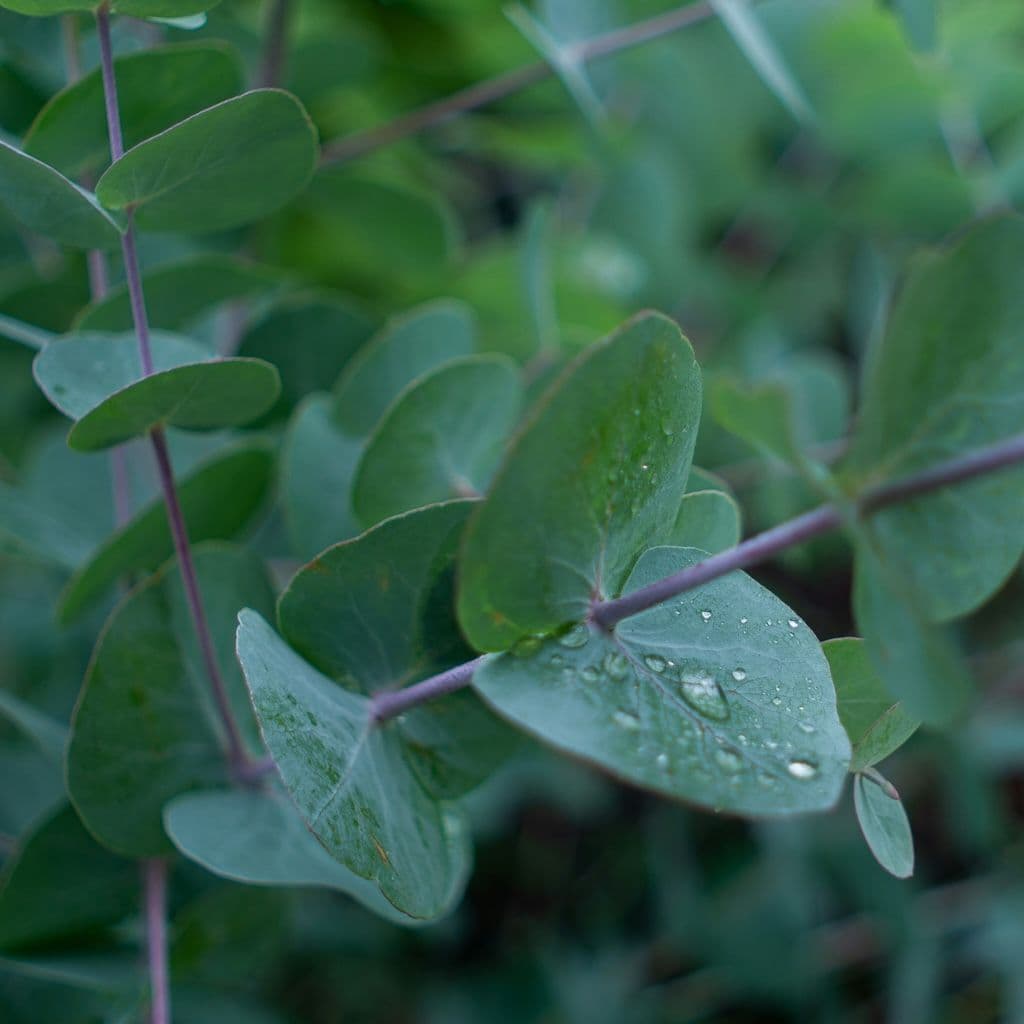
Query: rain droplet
705	615
644	466
704	695
777	701
728	760
576	637
616	665
802	769
655	663
807	728
739	674
743	622
793	624
526	647
590	674
667	428
557	659
626	719
662	762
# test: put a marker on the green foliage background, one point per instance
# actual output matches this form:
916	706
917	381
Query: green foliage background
778	233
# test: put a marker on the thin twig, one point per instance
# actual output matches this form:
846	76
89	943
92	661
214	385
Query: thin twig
493	89
750	552
275	54
154	888
236	752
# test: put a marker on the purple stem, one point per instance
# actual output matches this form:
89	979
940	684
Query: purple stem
237	756
154	887
276	53
750	552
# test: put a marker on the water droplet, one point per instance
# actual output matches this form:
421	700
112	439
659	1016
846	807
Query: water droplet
590	674
777	701
557	659
626	719
739	674
616	665
705	615
728	760
667	428
655	663
793	624
807	728
802	769
644	466
526	647
743	622
576	637
703	694
662	762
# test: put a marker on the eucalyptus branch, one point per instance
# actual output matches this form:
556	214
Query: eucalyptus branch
753	551
154	888
237	756
490	90
275	53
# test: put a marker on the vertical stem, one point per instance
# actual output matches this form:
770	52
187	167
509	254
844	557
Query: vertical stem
276	46
154	888
237	756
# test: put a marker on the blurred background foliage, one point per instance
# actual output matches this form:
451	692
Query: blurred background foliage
683	183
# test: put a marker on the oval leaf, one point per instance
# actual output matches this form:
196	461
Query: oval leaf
225	166
883	821
594	478
442	438
708	520
350	778
720	697
46	202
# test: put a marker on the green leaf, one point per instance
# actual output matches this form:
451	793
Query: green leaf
217	500
761	415
708	520
720	697
310	338
442	438
703	480
46	202
883	821
351	779
145	729
96	380
407	347
134	8
916	660
45	732
920	22
231	164
258	838
60	884
318	463
746	29
594	478
376	613
949	378
156	89
177	294
876	724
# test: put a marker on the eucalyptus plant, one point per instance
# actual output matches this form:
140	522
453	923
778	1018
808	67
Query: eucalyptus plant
342	567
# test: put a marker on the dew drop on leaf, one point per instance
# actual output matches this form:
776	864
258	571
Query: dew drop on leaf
705	615
739	674
802	769
626	719
576	637
704	695
616	665
655	662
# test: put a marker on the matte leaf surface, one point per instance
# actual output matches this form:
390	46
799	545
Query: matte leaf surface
708	520
225	166
46	202
949	378
720	697
883	821
376	613
258	838
408	346
350	778
144	730
442	438
156	89
217	500
96	380
875	722
594	478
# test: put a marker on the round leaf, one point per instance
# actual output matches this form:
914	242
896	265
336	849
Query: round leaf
594	478
225	166
720	697
709	520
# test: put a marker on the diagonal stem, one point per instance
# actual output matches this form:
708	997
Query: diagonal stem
753	551
237	757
